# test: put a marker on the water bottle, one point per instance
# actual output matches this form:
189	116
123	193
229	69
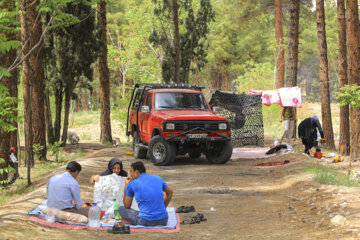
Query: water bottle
116	210
94	216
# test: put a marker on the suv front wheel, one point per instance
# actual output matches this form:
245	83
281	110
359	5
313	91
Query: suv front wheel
220	155
161	152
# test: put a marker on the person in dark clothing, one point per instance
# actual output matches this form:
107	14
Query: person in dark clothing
308	131
114	166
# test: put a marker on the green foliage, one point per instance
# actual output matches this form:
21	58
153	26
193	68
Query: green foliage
256	76
130	55
349	94
330	176
194	20
37	148
6	110
55	149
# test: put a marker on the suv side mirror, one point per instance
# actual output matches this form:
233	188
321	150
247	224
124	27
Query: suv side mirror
145	109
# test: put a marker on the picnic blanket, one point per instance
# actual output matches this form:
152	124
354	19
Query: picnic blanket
286	97
36	215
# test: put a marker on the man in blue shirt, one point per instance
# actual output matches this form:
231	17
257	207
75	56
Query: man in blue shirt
62	189
148	191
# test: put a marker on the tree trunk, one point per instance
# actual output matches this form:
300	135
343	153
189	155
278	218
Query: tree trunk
14	94
280	59
175	8
48	119
4	135
37	97
344	143
29	160
105	122
68	92
354	71
293	43
58	106
324	76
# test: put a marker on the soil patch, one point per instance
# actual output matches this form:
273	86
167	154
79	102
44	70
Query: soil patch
239	200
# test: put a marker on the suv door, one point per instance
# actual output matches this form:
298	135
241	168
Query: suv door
135	105
144	118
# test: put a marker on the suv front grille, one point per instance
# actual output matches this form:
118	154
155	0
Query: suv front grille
188	125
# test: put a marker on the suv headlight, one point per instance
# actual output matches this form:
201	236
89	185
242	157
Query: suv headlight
222	126
170	126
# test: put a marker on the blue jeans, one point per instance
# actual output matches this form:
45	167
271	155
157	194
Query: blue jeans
132	216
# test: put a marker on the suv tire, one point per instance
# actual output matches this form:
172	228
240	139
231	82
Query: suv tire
139	152
161	152
222	155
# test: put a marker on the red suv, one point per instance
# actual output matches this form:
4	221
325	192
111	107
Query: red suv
168	120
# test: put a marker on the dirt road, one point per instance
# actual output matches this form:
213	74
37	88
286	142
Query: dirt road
250	202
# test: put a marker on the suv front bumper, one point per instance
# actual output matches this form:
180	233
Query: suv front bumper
197	135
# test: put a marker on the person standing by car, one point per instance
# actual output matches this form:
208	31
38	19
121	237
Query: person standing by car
148	191
308	131
288	115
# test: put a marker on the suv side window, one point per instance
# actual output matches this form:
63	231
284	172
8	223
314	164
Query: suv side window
149	101
136	100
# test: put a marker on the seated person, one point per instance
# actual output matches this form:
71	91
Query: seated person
63	188
114	166
148	191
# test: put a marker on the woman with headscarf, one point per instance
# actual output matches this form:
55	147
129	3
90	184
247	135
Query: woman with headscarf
114	166
308	132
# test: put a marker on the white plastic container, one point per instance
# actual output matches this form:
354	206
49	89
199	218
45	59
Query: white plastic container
94	216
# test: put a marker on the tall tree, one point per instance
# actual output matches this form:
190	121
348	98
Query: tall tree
25	34
76	50
354	71
182	47
105	122
293	47
293	44
324	76
344	143
176	44
280	59
7	56
37	75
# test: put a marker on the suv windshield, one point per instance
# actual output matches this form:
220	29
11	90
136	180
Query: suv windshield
180	101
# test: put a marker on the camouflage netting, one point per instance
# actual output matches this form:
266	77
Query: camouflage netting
245	116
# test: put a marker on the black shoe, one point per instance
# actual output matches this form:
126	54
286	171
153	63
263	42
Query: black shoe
126	229
180	209
188	221
116	229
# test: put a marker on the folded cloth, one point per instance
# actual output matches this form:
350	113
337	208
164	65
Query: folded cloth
37	211
66	216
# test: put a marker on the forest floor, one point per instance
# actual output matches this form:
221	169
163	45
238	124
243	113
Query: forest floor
250	202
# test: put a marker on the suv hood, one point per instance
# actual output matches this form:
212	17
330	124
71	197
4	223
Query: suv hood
173	115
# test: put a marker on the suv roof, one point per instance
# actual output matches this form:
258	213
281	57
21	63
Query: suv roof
167	86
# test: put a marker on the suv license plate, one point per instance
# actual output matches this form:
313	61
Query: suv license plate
197	135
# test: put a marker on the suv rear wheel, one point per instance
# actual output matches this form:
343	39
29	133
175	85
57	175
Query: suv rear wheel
220	155
139	152
161	152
